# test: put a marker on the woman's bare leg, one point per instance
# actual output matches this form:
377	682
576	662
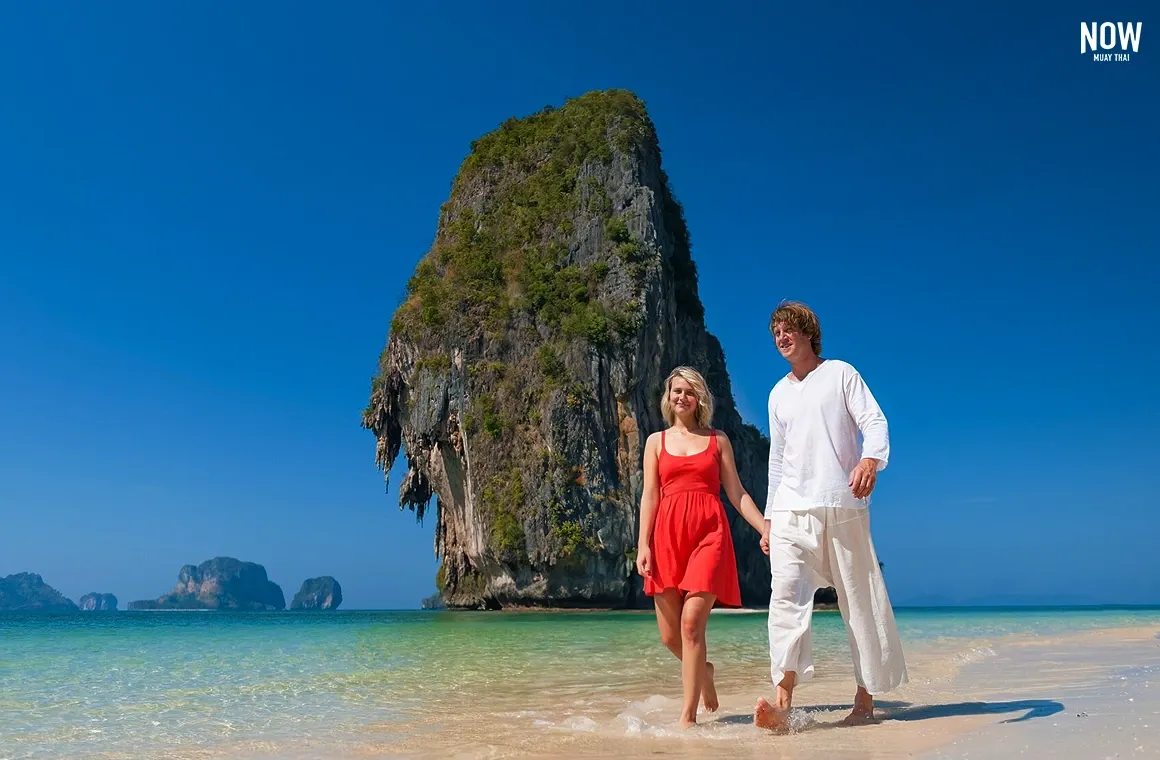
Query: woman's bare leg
668	606
694	619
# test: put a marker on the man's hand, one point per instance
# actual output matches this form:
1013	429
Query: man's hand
765	538
863	478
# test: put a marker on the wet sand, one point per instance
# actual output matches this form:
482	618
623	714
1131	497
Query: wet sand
1094	694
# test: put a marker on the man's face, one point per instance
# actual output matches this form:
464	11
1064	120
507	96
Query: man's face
791	343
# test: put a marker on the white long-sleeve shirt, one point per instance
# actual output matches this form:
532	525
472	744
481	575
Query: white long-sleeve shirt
813	426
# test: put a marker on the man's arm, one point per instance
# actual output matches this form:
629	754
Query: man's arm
871	421
776	450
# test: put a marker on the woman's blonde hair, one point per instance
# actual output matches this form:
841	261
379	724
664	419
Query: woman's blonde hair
700	388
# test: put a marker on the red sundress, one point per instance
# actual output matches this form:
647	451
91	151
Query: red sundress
692	548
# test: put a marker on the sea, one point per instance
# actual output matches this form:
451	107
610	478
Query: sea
378	684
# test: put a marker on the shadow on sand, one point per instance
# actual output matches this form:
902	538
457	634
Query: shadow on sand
1030	708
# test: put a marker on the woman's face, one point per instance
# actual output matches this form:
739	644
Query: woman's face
682	396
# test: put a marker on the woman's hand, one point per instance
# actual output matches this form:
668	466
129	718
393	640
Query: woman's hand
644	561
765	540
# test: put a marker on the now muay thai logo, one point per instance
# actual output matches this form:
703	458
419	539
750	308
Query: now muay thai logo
1101	38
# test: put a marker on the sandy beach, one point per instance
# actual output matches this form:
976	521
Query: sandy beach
1092	694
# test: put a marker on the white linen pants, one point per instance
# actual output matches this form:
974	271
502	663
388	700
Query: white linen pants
818	548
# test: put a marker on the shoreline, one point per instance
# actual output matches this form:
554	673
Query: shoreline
425	687
821	607
818	607
519	609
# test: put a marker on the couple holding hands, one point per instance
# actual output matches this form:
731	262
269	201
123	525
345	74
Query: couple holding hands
815	528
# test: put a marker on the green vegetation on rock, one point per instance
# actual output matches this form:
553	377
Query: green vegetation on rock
28	591
506	253
503	503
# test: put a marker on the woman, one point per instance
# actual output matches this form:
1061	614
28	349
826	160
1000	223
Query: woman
685	549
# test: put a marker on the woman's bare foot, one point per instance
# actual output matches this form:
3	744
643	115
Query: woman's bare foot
687	722
769	717
709	690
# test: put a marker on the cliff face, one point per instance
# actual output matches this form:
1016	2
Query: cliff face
94	602
323	593
433	602
220	583
28	592
524	370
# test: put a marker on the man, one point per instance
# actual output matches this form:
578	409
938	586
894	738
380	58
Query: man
817	525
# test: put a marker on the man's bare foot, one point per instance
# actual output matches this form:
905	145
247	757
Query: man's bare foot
859	718
863	712
769	717
709	690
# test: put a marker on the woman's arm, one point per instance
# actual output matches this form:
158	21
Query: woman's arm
738	496
648	505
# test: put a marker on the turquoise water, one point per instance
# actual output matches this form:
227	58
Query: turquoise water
152	684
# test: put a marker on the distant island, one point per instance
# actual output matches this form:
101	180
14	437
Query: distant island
95	602
226	583
322	593
27	592
221	583
22	592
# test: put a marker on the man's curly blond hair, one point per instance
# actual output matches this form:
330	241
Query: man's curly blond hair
800	317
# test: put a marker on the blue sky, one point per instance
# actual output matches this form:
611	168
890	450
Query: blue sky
209	213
